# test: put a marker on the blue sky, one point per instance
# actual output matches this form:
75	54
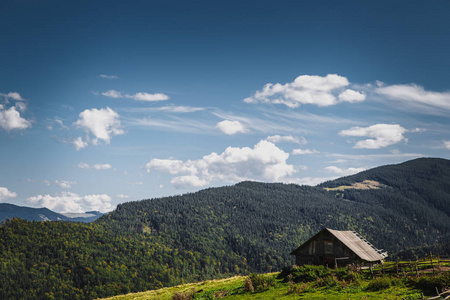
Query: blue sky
103	102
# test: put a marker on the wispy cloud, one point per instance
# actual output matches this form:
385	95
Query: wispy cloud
304	151
83	165
286	138
342	171
112	94
416	97
142	96
110	77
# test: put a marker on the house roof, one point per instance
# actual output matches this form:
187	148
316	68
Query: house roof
362	248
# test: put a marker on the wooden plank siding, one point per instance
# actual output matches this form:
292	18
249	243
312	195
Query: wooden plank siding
331	247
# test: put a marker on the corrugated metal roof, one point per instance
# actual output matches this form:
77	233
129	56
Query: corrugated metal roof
360	247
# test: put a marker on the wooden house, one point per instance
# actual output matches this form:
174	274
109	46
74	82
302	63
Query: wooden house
337	248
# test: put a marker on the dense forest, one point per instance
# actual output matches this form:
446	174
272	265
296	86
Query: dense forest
248	227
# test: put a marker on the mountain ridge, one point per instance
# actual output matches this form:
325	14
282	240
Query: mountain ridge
10	211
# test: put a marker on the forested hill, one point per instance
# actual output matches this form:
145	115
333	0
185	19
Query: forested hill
247	227
264	222
424	181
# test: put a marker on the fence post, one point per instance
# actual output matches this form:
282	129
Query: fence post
431	258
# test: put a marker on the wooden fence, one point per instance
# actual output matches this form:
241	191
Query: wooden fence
427	265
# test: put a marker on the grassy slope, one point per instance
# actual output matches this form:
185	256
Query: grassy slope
234	286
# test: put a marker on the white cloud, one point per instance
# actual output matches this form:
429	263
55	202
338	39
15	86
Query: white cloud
447	144
352	96
78	143
231	127
21	106
305	151
179	109
286	138
306	89
265	162
344	172
382	135
312	181
102	123
188	181
13	95
417	97
60	122
112	94
65	184
5	194
108	76
148	97
83	165
10	119
68	202
122	196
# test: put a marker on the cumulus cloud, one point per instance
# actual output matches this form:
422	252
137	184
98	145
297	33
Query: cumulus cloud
11	119
304	151
6	194
148	97
416	96
344	172
112	94
108	76
352	96
122	196
265	162
65	184
286	138
231	127
83	165
307	89
68	202
101	123
13	95
447	144
382	135
78	143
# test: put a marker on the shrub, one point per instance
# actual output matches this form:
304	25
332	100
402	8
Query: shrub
328	281
441	282
183	296
258	282
382	283
308	273
248	285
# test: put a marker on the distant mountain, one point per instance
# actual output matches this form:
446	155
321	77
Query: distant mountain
247	227
9	211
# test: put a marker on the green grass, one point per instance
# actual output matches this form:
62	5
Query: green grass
318	289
